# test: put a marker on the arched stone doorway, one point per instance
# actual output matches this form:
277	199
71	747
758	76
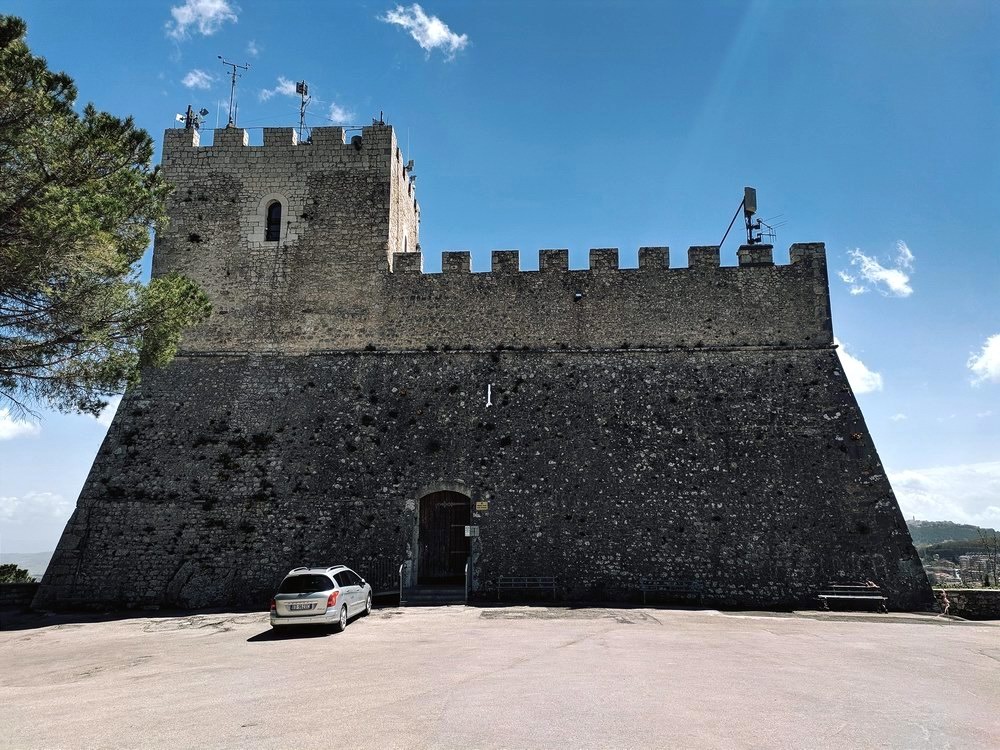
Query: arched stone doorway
442	544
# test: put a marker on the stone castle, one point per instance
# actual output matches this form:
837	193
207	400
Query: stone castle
603	427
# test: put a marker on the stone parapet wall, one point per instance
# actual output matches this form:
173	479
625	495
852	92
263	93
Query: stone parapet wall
972	604
653	306
17	594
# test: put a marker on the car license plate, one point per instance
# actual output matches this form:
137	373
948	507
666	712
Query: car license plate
308	605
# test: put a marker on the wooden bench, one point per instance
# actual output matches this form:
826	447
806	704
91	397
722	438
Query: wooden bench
674	589
526	583
846	593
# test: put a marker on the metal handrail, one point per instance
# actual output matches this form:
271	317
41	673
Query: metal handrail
466	582
401	566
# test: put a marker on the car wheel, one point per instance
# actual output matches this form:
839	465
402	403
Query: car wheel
368	605
342	622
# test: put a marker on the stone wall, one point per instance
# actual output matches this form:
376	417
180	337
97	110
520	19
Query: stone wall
346	207
750	471
653	306
972	604
328	284
14	595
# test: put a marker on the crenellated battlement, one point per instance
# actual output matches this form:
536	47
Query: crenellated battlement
373	140
703	305
285	162
343	270
604	260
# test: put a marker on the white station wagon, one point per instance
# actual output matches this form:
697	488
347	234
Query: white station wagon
320	596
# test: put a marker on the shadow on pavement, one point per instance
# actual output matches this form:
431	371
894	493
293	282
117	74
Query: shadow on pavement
292	633
21	619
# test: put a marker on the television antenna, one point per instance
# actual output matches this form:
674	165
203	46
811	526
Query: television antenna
302	89
233	106
748	206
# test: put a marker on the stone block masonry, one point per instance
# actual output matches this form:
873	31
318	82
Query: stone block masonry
971	604
751	472
605	426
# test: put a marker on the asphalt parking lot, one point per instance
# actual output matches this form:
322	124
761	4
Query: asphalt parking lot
513	677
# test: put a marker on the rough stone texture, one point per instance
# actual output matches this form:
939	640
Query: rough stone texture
346	210
972	604
750	471
17	594
683	424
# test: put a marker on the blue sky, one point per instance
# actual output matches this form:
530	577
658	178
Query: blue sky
868	126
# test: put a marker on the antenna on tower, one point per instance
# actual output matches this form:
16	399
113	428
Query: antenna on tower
302	89
749	207
232	89
192	120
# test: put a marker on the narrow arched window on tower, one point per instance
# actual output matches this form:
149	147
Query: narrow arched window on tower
272	232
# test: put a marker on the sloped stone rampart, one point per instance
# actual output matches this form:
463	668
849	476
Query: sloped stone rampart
751	472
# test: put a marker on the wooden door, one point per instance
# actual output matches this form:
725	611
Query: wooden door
444	548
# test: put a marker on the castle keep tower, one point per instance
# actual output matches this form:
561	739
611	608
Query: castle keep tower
601	426
337	213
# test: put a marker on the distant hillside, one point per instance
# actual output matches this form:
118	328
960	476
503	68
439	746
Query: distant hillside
34	562
925	533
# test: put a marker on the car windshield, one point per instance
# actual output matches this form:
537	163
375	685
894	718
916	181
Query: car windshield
305	584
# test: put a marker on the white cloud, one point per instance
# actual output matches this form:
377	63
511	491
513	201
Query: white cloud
986	365
198	79
983	414
252	48
853	281
108	412
340	115
904	256
891	281
898	417
862	379
430	32
11	428
968	493
284	87
33	507
206	16
336	113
